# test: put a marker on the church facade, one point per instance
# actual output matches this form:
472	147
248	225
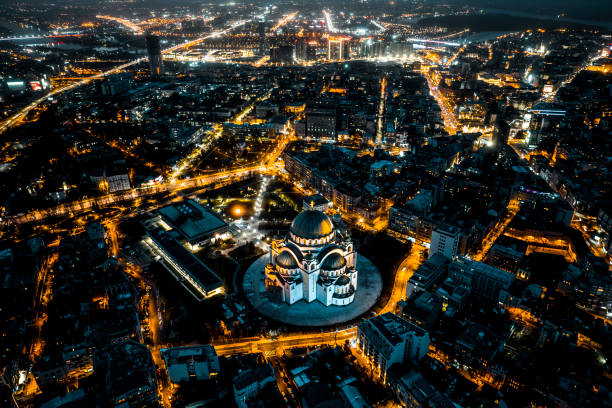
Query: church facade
314	262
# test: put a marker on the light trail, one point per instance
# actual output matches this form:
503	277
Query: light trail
381	111
127	23
380	26
261	61
448	43
450	121
283	21
34	37
495	232
329	23
454	57
219	179
212	136
403	274
277	345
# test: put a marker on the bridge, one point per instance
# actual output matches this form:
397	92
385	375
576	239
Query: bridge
40	36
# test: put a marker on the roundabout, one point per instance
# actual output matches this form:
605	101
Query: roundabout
312	314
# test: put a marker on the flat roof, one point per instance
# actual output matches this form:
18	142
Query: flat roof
191	220
201	273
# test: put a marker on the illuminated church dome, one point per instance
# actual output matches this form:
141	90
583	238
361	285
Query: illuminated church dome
315	261
333	262
286	260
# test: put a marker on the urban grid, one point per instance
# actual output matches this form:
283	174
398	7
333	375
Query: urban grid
343	204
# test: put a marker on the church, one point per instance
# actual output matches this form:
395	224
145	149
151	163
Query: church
315	261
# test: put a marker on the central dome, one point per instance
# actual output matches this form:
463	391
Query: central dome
312	224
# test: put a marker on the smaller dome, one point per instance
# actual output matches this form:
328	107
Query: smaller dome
286	260
334	261
343	281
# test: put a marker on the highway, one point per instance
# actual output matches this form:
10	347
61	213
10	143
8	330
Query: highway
124	22
448	110
283	21
497	230
35	37
216	180
381	111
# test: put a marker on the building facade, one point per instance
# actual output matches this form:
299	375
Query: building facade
388	339
445	241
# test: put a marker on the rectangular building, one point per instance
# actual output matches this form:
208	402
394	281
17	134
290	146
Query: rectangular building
196	277
196	224
485	280
427	275
187	363
388	339
445	241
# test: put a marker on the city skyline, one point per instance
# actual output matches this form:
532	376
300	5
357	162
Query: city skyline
351	204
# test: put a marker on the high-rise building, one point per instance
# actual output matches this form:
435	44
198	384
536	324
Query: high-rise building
500	135
337	48
301	48
261	30
311	51
155	57
445	241
281	55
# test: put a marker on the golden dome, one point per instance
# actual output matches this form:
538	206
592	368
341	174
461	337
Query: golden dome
333	262
312	224
286	260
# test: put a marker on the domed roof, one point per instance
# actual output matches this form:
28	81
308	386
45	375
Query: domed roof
286	260
334	261
312	224
343	280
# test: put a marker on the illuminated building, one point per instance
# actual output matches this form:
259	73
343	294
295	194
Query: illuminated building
337	48
316	202
316	261
542	119
155	58
388	339
305	50
199	280
196	225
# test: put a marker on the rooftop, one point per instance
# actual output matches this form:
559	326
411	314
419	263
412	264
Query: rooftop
191	220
